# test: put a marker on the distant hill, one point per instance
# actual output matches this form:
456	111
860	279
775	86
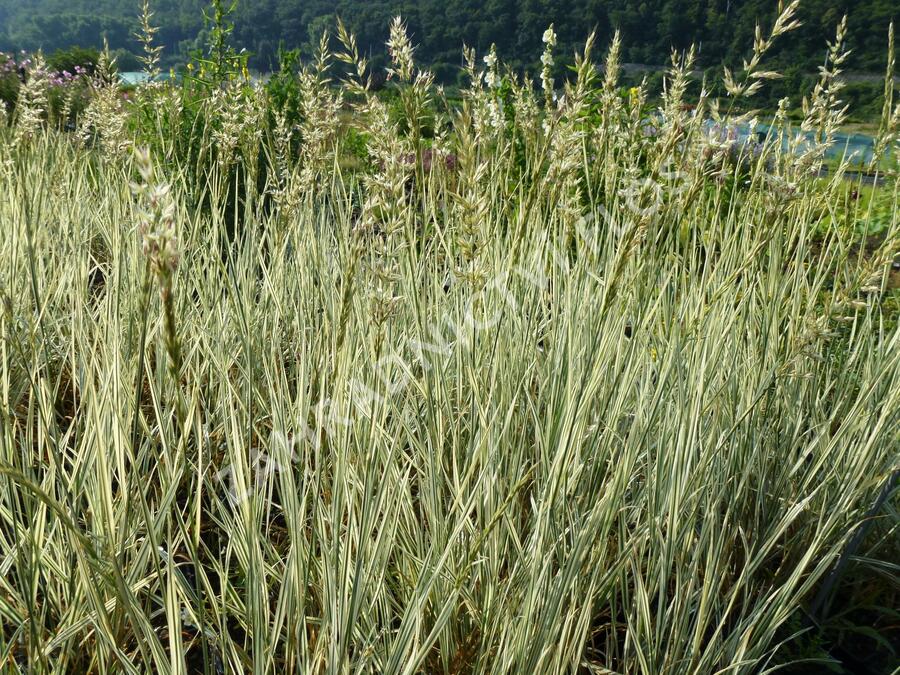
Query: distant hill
723	29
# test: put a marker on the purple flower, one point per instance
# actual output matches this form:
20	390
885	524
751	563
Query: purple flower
649	130
428	158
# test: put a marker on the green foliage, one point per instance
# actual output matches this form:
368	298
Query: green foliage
74	57
722	28
222	59
282	87
356	146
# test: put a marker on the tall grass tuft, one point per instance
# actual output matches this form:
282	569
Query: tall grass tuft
547	380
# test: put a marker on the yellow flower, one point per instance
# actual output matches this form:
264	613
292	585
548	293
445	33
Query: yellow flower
633	95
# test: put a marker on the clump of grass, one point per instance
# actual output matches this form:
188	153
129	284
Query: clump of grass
608	392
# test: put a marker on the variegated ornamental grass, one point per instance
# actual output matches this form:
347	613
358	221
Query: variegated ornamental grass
567	397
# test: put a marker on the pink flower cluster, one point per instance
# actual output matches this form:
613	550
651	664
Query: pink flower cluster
66	78
19	66
9	63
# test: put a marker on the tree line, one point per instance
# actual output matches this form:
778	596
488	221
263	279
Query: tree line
721	29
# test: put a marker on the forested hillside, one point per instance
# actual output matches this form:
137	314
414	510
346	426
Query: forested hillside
721	28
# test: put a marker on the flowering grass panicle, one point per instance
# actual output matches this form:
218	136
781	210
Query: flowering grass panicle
479	102
387	207
284	188
400	50
471	206
237	110
547	63
526	108
385	211
159	242
889	124
228	104
492	77
156	220
33	104
320	108
146	36
823	110
753	79
105	118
